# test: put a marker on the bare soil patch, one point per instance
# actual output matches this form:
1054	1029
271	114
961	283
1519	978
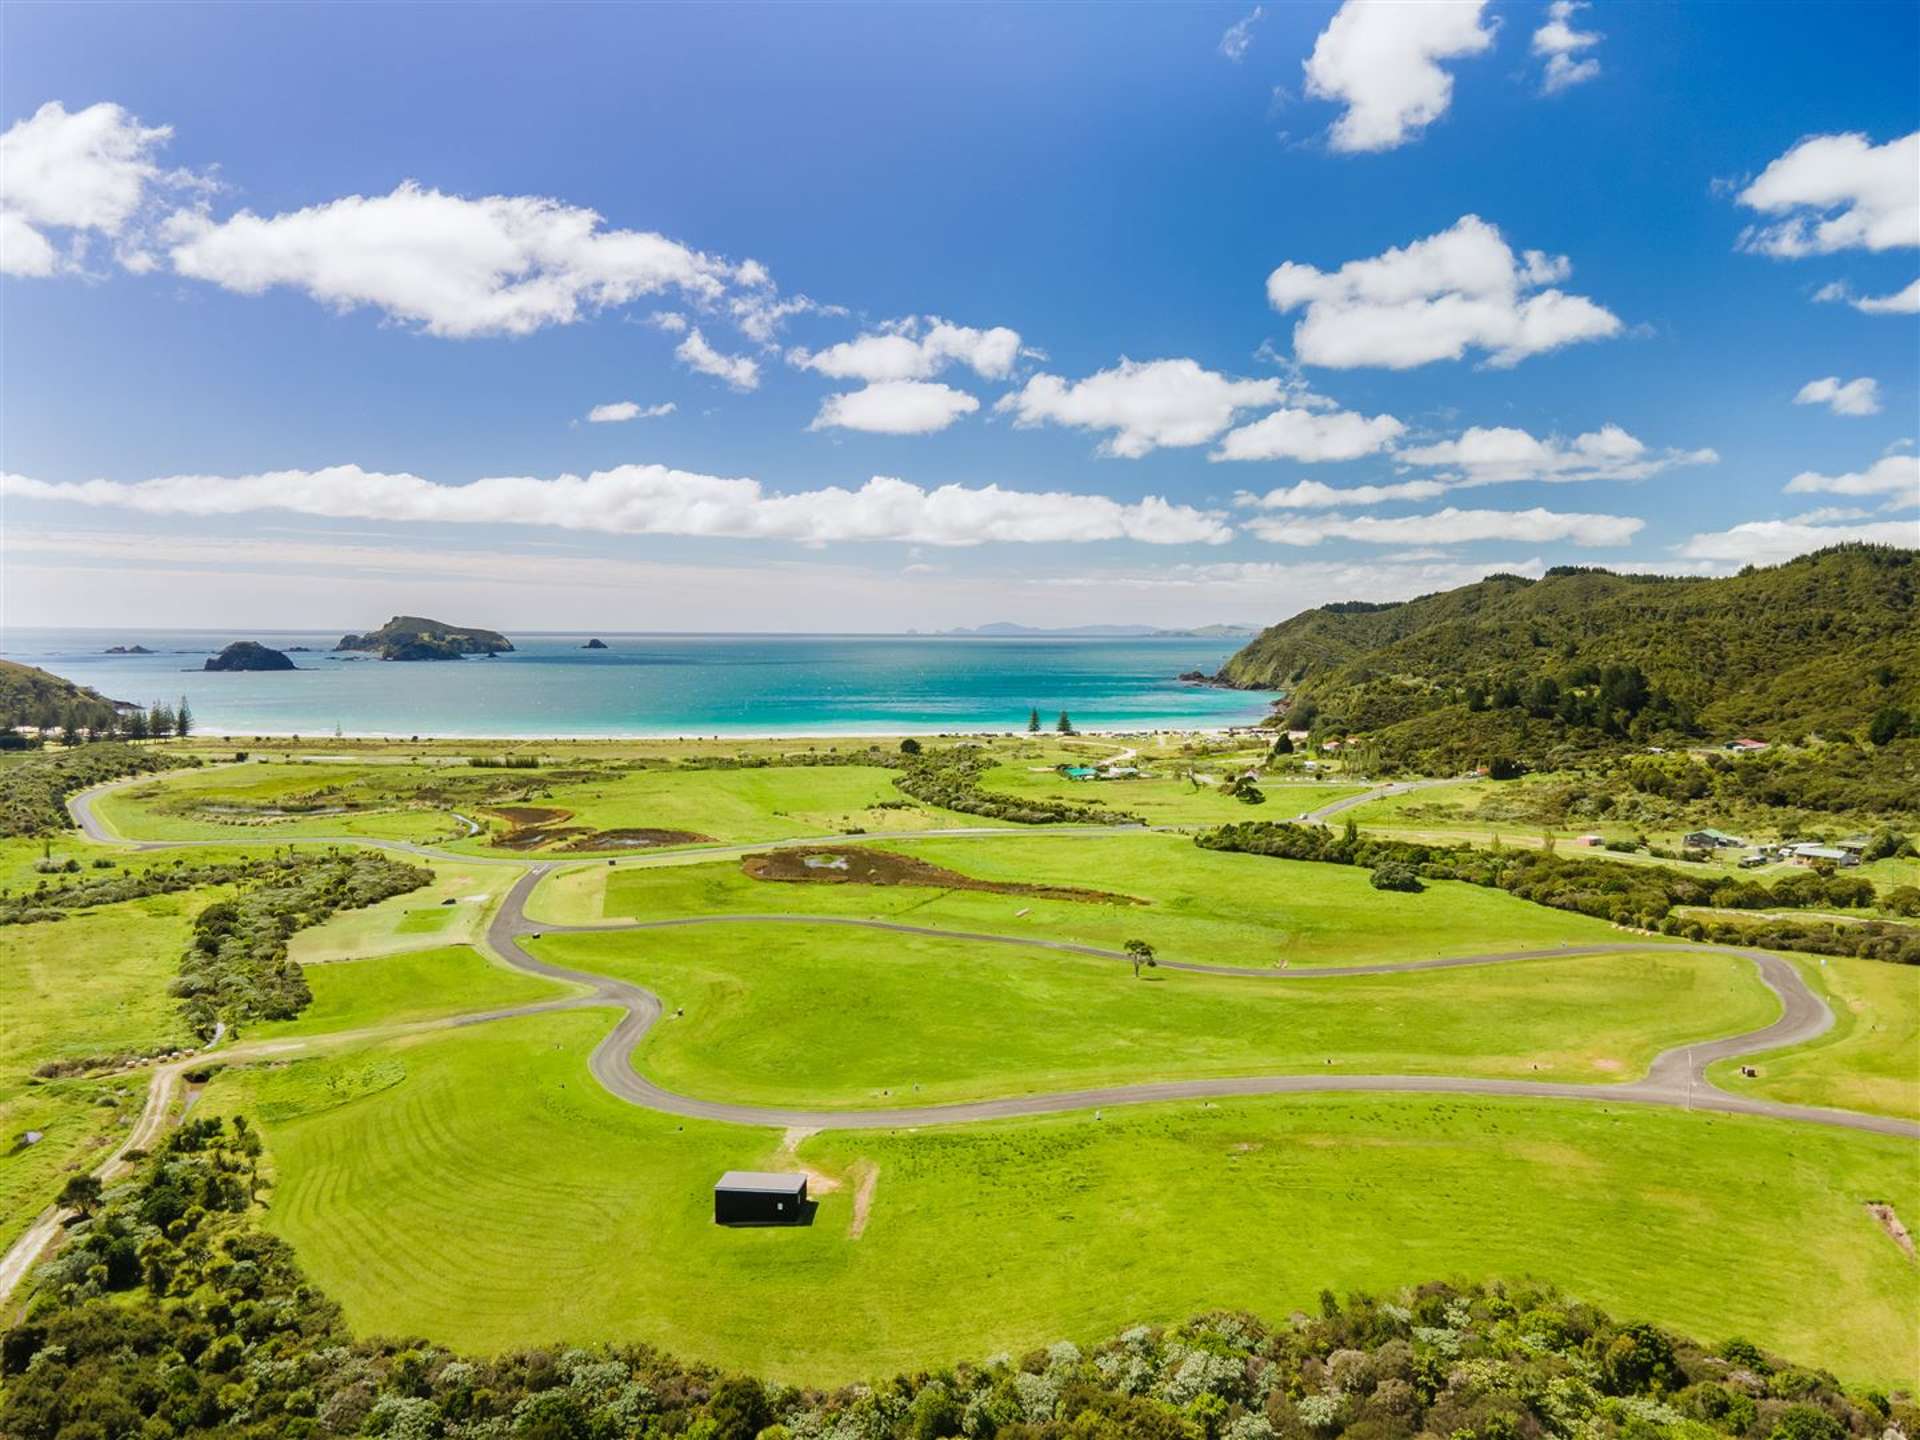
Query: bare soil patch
854	865
863	1200
527	816
1890	1223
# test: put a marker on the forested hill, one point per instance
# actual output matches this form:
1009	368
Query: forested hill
31	696
1822	643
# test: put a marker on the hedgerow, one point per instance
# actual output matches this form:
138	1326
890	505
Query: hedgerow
236	968
1642	896
950	778
34	791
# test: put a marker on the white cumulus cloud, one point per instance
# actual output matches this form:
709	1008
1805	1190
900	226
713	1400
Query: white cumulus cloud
1560	45
915	349
1768	542
1382	61
656	500
1492	455
74	175
1144	404
742	372
1896	476
1310	436
1450	527
499	265
895	407
1900	302
1435	299
1313	495
1855	397
621	410
1837	192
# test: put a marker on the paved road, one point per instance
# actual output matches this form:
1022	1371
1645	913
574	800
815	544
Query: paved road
1677	1077
1380	792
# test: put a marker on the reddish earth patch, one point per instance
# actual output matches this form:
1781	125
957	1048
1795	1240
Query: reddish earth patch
853	865
528	816
1890	1223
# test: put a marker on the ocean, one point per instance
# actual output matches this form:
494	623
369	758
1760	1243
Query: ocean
663	685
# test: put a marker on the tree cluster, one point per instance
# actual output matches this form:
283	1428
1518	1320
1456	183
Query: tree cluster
236	968
950	778
34	790
1651	897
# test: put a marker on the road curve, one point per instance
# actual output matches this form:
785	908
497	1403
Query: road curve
1676	1077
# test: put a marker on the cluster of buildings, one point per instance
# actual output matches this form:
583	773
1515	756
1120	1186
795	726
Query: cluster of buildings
1841	853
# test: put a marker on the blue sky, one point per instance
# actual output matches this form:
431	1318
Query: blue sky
1636	271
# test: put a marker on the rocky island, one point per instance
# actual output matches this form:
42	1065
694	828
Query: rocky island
127	650
595	644
409	637
249	655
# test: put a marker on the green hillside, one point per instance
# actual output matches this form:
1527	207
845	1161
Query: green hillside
30	696
1820	645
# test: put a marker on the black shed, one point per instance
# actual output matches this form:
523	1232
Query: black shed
759	1197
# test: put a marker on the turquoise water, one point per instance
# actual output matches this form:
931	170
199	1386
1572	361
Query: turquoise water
646	685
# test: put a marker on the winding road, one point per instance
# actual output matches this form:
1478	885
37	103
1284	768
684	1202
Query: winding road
1676	1078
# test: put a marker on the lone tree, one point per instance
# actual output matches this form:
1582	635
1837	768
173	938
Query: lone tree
1141	954
909	746
1033	721
81	1192
183	719
1064	724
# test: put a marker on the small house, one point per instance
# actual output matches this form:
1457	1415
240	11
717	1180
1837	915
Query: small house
1713	840
1744	746
1079	772
1832	854
759	1197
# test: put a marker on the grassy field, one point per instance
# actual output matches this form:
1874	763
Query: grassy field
1163	793
774	803
421	802
1870	1060
830	1016
407	921
1205	905
432	1199
245	804
399	989
94	984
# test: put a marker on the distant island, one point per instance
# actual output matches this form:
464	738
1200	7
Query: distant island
249	655
126	650
595	644
409	637
1005	629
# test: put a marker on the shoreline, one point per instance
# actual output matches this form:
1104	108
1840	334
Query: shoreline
210	732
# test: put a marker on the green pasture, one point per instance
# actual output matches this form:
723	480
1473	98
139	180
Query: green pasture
1164	797
94	984
240	804
1869	1060
829	1016
770	803
430	1198
405	922
1208	906
404	988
